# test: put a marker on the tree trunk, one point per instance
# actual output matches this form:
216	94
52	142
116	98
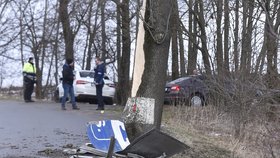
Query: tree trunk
219	52
92	29
67	32
182	53
272	43
174	36
119	89
56	49
40	92
103	52
226	37
236	37
192	55
124	83
247	27
203	37
262	54
156	48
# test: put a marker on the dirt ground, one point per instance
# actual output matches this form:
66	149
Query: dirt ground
42	129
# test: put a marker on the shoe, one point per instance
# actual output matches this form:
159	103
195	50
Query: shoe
29	101
63	108
100	109
76	108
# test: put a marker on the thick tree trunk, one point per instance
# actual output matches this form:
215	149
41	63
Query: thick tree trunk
124	83
156	48
67	32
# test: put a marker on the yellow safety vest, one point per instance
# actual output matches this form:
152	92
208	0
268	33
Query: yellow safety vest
29	68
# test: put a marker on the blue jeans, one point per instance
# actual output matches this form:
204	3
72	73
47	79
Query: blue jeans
68	89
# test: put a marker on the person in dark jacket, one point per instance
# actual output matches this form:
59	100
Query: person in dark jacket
29	78
99	71
67	83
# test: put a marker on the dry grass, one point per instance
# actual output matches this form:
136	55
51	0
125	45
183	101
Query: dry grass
210	130
15	94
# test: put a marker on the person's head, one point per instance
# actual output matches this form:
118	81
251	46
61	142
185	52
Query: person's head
30	60
195	72
98	60
69	61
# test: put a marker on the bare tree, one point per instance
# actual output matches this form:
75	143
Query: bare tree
69	32
92	25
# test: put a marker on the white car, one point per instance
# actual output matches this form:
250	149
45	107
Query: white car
84	88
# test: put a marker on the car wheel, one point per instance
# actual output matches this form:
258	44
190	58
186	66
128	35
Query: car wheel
92	101
197	100
56	96
109	101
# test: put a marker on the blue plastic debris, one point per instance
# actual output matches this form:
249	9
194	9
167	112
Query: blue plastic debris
101	132
152	144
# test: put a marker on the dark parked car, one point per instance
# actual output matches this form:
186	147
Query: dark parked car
189	90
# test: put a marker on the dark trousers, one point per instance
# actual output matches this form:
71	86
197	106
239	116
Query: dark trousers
99	96
28	90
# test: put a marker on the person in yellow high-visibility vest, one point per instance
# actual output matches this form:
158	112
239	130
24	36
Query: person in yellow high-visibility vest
29	78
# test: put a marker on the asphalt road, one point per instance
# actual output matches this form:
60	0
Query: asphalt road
28	128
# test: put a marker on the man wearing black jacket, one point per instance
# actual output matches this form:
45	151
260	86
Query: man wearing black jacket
99	71
67	83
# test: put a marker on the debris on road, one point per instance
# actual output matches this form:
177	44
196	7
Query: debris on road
153	143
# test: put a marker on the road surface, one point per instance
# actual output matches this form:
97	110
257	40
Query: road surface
26	129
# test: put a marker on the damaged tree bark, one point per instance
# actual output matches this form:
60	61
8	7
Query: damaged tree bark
156	48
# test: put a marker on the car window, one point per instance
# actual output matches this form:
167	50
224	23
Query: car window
179	80
87	74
